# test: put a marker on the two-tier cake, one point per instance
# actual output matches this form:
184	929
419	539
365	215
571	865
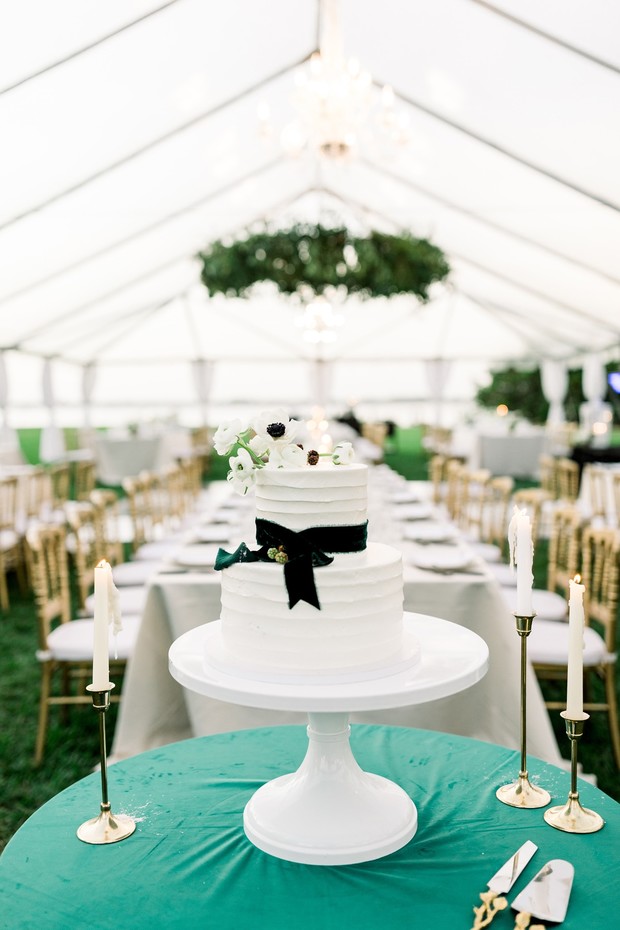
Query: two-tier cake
314	598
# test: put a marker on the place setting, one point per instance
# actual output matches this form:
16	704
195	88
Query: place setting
431	532
444	560
195	557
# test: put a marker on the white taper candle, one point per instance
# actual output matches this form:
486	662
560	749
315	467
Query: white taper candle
101	634
576	621
524	559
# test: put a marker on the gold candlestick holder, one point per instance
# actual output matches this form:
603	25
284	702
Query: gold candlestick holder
107	827
572	817
522	793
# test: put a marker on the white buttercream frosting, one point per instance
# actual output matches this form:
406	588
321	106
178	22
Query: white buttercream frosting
359	623
318	495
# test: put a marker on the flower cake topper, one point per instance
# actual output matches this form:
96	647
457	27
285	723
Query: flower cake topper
269	440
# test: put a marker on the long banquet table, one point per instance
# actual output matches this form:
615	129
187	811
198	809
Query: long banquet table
156	710
190	865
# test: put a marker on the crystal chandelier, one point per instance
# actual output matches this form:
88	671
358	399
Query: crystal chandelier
338	107
319	321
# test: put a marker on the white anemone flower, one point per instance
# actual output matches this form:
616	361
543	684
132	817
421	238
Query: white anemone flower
274	427
286	455
343	454
227	435
241	472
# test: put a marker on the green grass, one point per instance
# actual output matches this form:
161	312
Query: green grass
72	747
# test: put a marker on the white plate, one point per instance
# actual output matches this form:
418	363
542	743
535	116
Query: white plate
199	556
417	511
219	532
405	497
440	558
430	532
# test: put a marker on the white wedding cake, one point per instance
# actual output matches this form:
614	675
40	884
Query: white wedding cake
317	600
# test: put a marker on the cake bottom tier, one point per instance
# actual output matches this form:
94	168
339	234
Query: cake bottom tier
358	628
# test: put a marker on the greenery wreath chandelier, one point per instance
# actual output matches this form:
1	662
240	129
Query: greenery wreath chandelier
306	260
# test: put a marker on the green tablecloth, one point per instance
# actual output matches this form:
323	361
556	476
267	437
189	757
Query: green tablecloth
189	864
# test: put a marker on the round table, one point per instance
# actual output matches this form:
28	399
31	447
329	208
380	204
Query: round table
189	863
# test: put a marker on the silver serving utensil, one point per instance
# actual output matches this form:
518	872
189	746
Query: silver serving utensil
547	895
504	878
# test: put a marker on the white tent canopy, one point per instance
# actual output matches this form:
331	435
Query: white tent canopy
130	141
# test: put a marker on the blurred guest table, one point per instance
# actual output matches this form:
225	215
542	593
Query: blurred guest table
584	455
186	593
514	455
120	457
190	865
505	448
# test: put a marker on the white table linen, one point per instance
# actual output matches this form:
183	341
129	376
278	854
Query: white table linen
118	458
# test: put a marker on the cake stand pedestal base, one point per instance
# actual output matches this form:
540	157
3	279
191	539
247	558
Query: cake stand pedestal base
330	812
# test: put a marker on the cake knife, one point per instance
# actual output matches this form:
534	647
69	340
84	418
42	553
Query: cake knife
504	878
547	895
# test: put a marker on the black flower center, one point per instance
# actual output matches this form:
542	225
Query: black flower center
276	430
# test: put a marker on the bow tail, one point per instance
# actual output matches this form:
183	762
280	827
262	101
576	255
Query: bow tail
299	580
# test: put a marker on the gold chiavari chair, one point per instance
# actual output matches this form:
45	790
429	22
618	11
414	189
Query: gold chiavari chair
83	479
548	646
568	479
11	540
65	652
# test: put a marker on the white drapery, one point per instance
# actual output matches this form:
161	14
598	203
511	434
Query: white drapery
202	373
9	443
554	379
89	379
438	372
595	414
52	442
320	382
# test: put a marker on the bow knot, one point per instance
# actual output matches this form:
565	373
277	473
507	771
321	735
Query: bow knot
305	549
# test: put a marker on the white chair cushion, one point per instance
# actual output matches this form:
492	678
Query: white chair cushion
506	575
132	574
73	641
548	644
546	604
8	539
131	600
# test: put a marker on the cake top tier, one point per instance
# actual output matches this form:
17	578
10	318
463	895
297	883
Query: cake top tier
313	495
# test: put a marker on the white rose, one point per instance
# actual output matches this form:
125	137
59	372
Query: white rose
226	436
286	455
241	474
258	445
343	454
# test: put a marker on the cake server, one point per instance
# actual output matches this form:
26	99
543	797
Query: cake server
547	895
504	878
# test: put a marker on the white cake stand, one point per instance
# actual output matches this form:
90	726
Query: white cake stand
331	812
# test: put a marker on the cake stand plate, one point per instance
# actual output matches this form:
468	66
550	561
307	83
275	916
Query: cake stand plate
331	812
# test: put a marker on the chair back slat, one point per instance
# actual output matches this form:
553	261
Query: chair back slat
601	577
48	565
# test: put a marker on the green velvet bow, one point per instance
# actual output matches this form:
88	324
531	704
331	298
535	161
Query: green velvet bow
304	551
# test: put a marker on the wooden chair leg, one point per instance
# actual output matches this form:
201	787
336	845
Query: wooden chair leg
4	590
46	678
